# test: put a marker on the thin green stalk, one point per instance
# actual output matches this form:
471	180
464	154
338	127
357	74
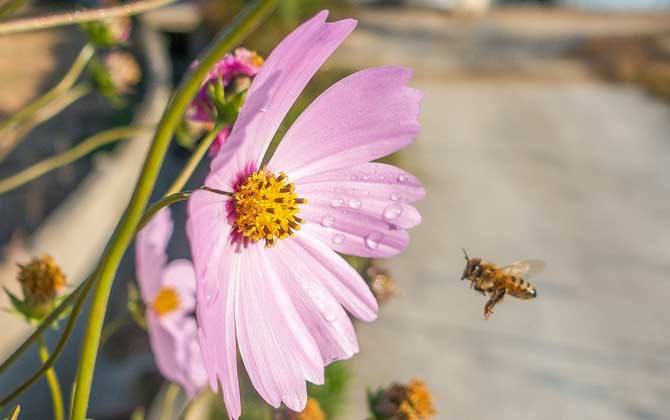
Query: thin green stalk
80	150
80	298
80	16
77	67
168	401
241	27
46	323
54	385
167	200
15	413
13	135
9	7
112	327
193	161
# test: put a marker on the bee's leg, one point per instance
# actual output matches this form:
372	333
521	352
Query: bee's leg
473	285
495	298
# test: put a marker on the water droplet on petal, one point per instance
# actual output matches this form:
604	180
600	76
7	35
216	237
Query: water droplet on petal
264	109
337	203
355	204
373	239
392	212
402	178
338	238
327	221
365	178
354	177
394	197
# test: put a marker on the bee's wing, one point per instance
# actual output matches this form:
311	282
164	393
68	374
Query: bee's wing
525	268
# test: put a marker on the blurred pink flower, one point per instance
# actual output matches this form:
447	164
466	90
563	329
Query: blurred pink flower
242	63
269	277
168	291
218	142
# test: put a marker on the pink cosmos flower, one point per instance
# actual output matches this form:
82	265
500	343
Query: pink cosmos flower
269	279
242	63
168	291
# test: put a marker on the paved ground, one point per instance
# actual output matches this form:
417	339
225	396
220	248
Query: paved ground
575	173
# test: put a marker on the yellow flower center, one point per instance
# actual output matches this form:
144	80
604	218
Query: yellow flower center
166	301
266	207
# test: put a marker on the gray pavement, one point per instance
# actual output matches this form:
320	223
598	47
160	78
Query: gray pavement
576	174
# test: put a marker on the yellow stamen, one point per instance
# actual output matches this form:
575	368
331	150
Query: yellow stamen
166	301
266	207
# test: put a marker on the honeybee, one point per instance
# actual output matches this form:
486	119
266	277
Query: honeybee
486	277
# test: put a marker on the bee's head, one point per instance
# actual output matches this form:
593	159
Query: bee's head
473	267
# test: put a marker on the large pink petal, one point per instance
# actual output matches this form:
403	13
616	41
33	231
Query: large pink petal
304	279
273	91
372	189
343	282
363	117
278	352
215	262
150	256
353	233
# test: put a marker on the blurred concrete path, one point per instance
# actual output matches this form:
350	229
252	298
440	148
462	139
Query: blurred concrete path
576	173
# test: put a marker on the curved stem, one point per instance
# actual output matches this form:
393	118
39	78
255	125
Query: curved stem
78	65
79	16
81	294
54	385
46	323
193	161
80	150
163	202
16	133
125	231
168	401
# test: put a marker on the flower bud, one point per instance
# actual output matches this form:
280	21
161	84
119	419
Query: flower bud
380	281
41	282
108	33
412	401
117	74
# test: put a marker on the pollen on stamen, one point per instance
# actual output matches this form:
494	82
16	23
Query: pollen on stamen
166	301
266	207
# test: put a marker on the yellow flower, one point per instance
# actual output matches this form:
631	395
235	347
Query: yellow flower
41	282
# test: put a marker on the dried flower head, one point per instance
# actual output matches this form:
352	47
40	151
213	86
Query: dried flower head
380	281
41	282
412	401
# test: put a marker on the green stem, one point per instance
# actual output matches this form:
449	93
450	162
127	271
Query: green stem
80	297
112	327
65	83
15	413
125	231
46	323
79	16
168	401
9	7
54	385
16	133
167	200
80	150
193	161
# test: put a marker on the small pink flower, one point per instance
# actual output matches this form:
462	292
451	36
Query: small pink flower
242	63
269	278
168	291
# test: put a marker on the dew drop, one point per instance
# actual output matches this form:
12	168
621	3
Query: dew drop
354	177
264	109
355	204
373	239
394	197
392	212
365	178
337	203
402	178
338	239
327	221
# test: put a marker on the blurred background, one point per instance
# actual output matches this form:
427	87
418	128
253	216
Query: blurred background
545	134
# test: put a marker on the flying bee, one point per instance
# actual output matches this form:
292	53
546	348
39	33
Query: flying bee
488	278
